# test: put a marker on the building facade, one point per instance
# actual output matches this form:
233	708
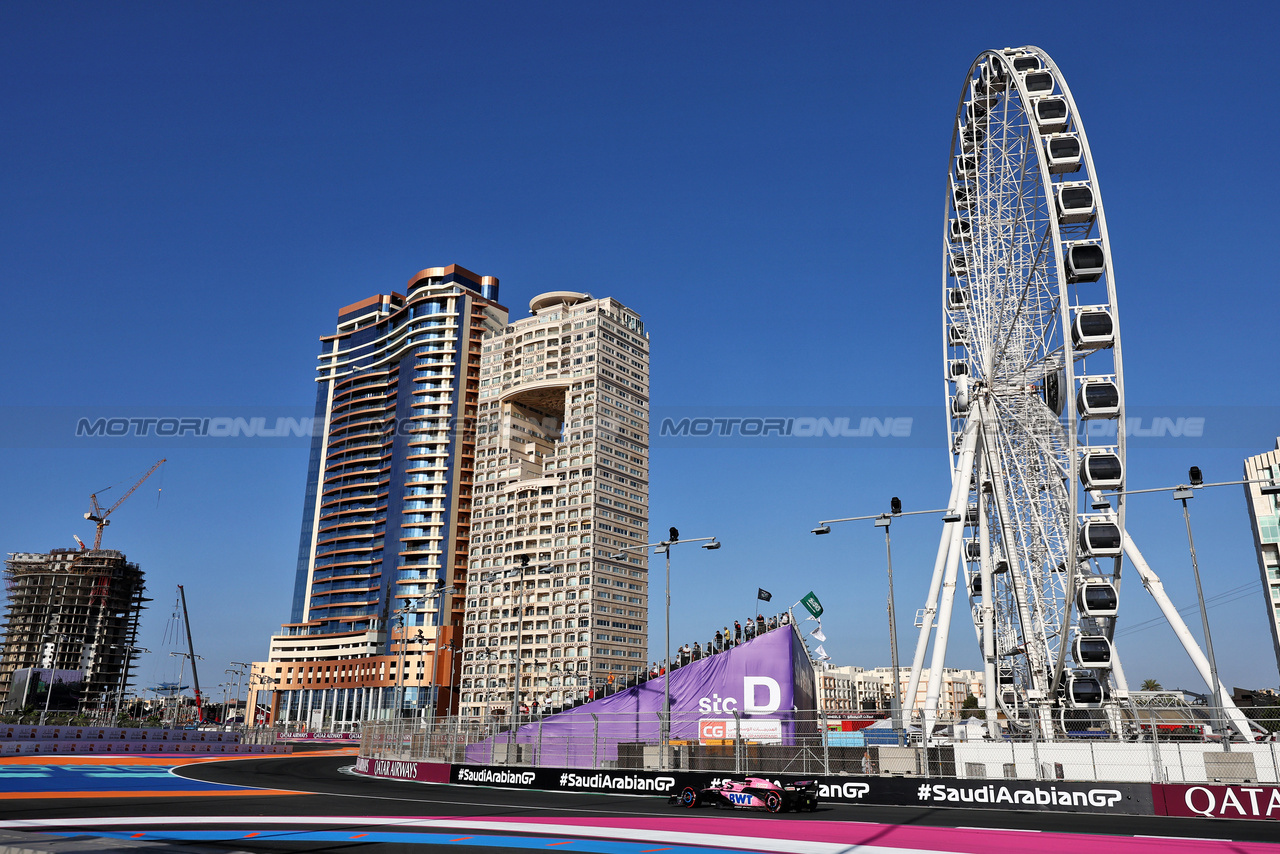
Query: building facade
561	485
1264	515
849	691
382	562
74	613
855	690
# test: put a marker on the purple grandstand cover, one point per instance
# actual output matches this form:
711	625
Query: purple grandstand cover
768	678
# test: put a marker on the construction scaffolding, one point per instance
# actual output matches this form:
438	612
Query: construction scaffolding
71	610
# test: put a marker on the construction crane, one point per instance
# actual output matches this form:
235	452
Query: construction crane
99	516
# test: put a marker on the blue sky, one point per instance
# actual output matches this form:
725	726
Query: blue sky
193	190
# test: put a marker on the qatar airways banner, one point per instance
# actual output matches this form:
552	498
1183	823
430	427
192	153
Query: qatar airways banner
1218	801
764	679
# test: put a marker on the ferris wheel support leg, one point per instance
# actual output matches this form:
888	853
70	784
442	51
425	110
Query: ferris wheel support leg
1112	709
1152	582
987	639
944	631
956	504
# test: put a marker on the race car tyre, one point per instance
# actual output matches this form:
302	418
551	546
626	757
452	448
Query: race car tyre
773	802
689	797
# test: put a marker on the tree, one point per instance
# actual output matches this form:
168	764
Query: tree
969	708
1151	685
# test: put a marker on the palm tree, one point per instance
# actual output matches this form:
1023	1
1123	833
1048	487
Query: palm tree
1151	685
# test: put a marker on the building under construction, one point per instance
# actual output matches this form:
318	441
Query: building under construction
70	611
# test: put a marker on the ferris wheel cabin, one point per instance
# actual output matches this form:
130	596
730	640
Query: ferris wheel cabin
1084	692
1050	113
1038	82
1092	329
1075	202
1098	398
1086	262
1100	538
1101	469
1096	598
961	230
1024	62
1063	152
1091	651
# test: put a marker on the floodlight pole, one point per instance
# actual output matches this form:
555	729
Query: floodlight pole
884	520
665	546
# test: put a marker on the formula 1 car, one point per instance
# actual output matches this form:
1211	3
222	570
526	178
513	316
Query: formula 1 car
752	793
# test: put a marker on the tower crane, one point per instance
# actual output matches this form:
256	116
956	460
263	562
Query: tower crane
99	516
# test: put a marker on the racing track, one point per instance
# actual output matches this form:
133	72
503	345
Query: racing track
369	815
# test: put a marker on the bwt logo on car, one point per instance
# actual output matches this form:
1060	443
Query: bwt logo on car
721	705
740	799
852	791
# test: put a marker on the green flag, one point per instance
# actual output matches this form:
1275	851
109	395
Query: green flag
811	603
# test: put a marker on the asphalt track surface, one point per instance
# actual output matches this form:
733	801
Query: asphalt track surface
313	803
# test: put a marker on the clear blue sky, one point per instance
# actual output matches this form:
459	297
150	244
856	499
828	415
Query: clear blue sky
192	190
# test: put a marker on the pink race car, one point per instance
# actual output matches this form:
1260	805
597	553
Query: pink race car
752	793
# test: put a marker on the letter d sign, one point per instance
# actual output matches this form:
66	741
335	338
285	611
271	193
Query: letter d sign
771	703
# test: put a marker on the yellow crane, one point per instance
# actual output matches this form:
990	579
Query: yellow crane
99	516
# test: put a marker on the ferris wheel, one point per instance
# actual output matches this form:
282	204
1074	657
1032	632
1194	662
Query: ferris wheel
1034	390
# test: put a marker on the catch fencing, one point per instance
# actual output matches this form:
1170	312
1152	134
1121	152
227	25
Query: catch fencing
815	745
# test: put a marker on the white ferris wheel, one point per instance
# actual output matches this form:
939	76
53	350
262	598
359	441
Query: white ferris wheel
1034	388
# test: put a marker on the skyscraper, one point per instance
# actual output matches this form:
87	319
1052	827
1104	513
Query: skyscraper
561	483
382	558
1264	513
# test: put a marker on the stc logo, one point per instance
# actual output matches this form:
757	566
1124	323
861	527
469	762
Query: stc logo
751	705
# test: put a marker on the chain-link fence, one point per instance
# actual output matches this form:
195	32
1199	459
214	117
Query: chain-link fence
1162	750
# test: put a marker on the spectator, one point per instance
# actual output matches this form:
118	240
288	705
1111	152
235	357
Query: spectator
751	629
697	651
719	642
728	638
786	619
760	624
773	622
737	632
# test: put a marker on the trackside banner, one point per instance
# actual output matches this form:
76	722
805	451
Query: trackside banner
1107	798
396	769
1215	801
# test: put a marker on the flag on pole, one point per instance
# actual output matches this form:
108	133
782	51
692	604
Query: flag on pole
761	593
811	604
817	633
821	654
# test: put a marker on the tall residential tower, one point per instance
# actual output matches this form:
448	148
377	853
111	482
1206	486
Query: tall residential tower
382	561
1264	513
561	483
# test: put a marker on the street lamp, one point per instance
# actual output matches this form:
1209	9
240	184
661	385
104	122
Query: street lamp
400	612
263	680
1182	493
177	693
129	650
664	548
437	594
884	520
